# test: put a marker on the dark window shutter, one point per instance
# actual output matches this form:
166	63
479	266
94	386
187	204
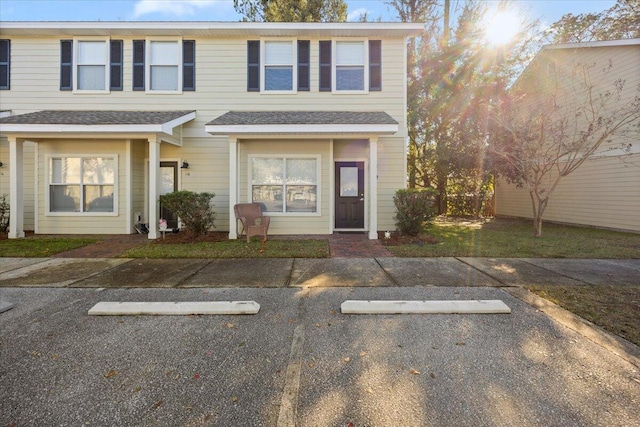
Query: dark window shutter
189	65
66	64
116	65
303	65
5	64
138	65
253	65
325	65
375	65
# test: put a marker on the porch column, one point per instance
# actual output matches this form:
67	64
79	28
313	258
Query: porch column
373	188
233	186
154	173
16	198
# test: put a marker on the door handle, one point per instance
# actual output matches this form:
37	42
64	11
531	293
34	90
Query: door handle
362	197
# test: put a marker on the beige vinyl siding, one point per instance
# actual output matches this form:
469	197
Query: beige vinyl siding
221	81
78	223
28	177
604	192
291	223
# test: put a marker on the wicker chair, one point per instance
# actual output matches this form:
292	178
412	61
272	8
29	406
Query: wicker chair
253	222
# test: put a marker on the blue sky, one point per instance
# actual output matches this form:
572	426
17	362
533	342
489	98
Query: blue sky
547	11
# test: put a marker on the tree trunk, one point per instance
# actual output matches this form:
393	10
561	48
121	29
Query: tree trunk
538	205
537	226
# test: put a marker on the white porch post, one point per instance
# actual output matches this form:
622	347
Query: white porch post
373	188
16	201
233	186
154	166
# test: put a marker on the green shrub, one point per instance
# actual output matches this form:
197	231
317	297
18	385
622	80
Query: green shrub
413	209
195	210
4	213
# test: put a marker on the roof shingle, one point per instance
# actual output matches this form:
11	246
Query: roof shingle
235	118
53	117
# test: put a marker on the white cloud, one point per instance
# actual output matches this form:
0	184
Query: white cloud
171	7
355	15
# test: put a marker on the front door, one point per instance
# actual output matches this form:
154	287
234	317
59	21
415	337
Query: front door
168	184
349	195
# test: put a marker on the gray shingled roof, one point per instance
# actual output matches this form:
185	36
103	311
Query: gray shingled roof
51	117
233	118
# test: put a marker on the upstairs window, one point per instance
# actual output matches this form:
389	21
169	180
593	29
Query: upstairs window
164	66
92	66
278	71
277	66
5	64
350	66
92	72
164	59
350	71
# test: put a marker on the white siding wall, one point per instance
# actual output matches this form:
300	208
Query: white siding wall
221	79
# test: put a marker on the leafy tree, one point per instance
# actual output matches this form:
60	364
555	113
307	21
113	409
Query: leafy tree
621	21
452	76
539	138
292	10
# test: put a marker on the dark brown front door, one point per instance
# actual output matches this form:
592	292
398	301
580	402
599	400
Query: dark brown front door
168	184
349	195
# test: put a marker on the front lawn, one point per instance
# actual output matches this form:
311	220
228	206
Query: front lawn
614	308
233	249
40	247
511	238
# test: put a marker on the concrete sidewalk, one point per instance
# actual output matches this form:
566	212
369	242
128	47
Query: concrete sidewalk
301	272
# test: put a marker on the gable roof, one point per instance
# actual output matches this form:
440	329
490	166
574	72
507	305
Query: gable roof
282	122
212	29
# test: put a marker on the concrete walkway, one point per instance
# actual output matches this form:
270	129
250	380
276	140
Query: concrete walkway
303	272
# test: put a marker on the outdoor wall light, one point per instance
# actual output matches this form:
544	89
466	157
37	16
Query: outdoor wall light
185	165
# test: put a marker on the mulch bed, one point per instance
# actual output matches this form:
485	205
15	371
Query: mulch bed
403	239
184	237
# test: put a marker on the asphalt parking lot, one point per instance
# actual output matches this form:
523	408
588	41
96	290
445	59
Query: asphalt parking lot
299	361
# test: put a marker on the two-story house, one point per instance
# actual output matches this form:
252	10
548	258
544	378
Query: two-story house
101	118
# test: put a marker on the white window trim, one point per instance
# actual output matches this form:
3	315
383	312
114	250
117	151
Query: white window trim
316	157
294	66
47	184
147	65
107	68
365	43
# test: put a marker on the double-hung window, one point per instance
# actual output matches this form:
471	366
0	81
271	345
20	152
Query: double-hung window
350	65
164	60
287	185
82	184
350	69
92	65
279	71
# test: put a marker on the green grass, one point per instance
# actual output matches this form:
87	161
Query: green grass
506	238
233	249
38	248
613	308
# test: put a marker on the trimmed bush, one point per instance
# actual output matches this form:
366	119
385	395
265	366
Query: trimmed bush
195	210
413	209
4	213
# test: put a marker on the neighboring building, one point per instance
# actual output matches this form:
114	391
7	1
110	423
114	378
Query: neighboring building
100	118
605	190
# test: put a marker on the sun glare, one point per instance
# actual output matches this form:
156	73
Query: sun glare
501	26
